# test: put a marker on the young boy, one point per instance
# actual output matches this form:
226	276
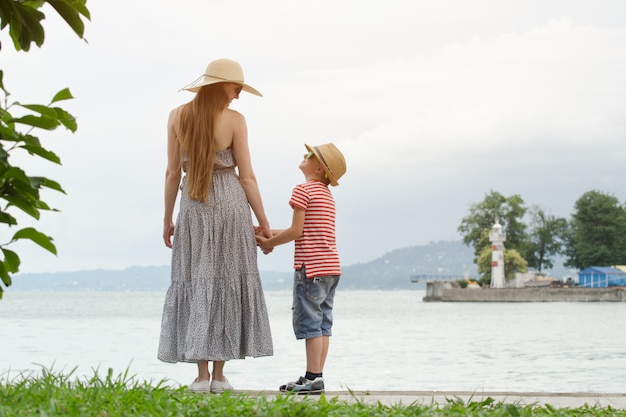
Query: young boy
316	260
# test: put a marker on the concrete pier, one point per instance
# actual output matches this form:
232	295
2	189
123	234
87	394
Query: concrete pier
439	291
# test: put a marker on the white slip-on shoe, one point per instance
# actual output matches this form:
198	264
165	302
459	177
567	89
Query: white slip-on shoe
199	386
220	386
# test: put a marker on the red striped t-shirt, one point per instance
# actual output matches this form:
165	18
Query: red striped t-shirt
317	247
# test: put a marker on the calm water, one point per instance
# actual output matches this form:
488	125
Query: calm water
383	340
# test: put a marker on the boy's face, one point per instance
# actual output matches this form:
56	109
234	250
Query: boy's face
310	165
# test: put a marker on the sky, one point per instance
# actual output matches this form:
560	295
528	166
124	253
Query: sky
433	103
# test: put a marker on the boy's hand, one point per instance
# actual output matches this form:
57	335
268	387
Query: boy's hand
261	242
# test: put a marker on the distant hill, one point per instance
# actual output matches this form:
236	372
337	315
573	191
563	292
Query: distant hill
394	269
388	272
135	278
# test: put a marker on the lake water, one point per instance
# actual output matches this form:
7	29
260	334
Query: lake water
382	340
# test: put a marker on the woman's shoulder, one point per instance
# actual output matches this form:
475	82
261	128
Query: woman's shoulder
234	115
176	109
175	113
172	119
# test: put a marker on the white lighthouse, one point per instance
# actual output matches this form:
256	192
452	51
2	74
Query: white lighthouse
497	238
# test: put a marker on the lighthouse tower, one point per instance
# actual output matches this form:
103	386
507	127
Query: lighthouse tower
497	238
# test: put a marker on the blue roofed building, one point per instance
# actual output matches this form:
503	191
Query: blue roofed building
601	277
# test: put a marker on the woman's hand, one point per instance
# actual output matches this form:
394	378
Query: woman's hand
168	232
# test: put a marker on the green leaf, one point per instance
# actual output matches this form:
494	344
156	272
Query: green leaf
40	108
42	122
25	26
37	237
70	124
17	174
4	115
23	190
6	218
42	205
80	6
46	154
11	260
68	12
62	95
66	119
38	182
2	82
31	140
50	117
53	185
9	134
4	274
24	205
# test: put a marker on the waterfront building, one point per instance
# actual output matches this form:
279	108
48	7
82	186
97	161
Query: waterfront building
601	277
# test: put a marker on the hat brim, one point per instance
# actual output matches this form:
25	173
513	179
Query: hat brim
333	181
194	88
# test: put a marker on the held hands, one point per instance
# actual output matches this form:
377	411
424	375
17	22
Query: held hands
261	237
261	242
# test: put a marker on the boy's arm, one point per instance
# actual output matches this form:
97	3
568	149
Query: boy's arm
259	231
287	235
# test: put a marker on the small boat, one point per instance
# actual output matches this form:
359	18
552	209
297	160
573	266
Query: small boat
538	283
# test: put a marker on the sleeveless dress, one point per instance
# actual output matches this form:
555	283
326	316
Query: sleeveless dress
215	308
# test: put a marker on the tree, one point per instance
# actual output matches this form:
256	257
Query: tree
545	239
19	191
513	262
597	232
508	211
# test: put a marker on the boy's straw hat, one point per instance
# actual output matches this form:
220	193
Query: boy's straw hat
331	159
221	71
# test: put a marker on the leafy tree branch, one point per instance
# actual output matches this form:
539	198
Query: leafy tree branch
18	190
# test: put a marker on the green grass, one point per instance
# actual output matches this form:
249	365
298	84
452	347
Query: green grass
62	394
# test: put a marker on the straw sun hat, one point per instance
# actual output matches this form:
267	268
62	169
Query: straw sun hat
331	159
221	71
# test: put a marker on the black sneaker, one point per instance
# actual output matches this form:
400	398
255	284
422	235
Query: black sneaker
304	386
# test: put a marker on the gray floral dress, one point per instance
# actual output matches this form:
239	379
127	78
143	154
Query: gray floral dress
215	308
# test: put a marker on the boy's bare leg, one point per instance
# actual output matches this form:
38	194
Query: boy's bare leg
325	345
316	352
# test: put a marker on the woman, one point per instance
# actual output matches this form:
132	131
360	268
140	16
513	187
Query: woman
214	308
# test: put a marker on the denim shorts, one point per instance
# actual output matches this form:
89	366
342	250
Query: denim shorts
313	304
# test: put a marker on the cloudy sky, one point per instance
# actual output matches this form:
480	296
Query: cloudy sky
433	102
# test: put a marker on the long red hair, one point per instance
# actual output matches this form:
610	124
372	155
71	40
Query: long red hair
196	130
